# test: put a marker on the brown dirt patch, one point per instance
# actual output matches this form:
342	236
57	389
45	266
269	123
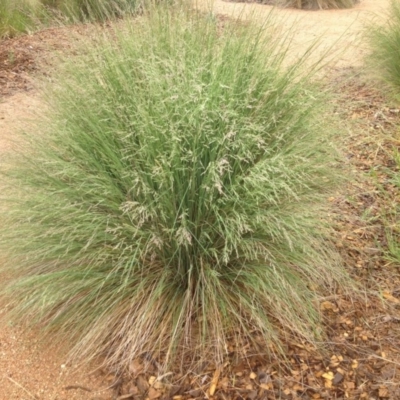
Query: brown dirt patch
15	62
22	57
30	370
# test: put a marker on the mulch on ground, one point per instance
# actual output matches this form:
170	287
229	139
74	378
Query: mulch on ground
362	356
16	61
23	57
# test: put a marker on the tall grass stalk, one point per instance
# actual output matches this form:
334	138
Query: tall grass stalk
172	201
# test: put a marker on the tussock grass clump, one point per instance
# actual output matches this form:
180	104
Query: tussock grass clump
318	4
385	48
173	200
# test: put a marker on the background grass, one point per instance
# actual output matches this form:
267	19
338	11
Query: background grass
393	217
17	16
22	16
384	61
92	10
317	4
172	199
384	40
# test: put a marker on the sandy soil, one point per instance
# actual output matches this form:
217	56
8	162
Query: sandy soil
30	370
15	113
336	30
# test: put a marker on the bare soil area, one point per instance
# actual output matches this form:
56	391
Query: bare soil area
335	30
363	356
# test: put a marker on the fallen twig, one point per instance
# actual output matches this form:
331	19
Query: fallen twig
21	387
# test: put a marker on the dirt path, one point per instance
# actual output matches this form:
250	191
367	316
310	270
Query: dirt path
29	369
337	29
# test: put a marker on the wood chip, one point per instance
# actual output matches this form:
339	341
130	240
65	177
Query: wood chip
214	381
153	394
338	378
142	384
328	375
136	367
152	379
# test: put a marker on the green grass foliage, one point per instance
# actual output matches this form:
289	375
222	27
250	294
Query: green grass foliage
384	39
92	10
17	16
172	201
393	219
318	4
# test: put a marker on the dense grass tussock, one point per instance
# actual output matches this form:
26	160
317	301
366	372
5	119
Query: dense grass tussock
384	39
172	202
317	4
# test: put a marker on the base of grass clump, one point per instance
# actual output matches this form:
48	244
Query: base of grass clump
172	199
